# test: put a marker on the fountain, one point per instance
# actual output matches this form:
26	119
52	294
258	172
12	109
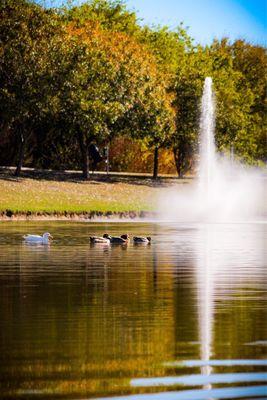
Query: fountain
227	257
207	164
225	190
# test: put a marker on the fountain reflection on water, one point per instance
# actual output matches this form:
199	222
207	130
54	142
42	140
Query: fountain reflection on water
222	192
205	283
121	302
221	251
225	191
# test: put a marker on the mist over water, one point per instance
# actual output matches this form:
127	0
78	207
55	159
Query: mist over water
225	190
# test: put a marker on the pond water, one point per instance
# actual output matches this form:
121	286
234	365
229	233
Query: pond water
182	318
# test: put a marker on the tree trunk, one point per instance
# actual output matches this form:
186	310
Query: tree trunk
178	163
21	154
85	156
156	163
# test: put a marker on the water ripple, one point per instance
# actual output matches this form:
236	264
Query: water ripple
205	394
214	363
196	380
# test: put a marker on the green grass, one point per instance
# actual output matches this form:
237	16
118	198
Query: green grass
46	196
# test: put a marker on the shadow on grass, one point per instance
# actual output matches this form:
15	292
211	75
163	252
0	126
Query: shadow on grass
7	173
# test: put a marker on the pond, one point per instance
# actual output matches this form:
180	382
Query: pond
183	318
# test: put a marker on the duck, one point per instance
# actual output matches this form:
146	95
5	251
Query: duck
44	239
99	239
141	239
123	239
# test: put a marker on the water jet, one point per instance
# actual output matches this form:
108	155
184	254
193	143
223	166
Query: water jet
224	189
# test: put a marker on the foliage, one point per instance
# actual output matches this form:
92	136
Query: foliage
110	15
188	86
112	82
234	103
30	41
251	62
139	157
93	72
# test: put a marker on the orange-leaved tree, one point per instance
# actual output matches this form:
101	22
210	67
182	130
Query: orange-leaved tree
113	87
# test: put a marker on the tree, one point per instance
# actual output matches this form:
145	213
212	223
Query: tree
251	61
30	43
188	85
74	74
169	48
109	15
153	121
233	103
112	79
234	99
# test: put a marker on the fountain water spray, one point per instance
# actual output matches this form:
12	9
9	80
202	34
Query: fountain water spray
207	164
225	190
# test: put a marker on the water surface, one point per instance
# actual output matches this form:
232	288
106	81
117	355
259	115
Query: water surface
182	318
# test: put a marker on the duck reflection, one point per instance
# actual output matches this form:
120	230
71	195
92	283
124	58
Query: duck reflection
36	246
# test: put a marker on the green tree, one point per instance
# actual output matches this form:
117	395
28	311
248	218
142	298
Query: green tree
188	85
251	61
153	121
29	47
110	78
110	15
74	74
234	100
169	49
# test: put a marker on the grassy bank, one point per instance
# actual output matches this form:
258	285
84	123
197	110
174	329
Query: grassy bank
50	192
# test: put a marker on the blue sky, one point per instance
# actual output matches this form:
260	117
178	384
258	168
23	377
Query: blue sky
208	18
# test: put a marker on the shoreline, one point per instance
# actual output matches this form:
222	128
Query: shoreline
9	215
48	195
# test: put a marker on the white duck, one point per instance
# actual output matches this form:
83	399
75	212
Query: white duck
38	239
